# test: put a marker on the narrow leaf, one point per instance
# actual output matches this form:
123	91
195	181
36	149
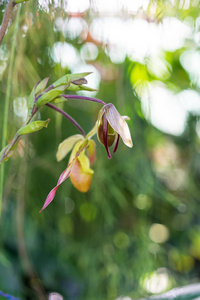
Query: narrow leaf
32	127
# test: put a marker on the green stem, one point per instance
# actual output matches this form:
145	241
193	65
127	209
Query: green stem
8	91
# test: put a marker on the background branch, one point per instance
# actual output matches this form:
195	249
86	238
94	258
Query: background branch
6	19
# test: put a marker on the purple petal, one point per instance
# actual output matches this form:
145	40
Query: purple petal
105	133
116	143
65	174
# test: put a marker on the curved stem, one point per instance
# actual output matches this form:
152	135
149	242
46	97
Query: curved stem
6	19
67	116
83	98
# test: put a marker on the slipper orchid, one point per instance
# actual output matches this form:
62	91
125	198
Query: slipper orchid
78	168
110	126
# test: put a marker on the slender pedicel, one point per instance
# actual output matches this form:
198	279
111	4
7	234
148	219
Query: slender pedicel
67	116
83	98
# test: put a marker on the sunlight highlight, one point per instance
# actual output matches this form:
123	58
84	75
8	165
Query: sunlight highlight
156	282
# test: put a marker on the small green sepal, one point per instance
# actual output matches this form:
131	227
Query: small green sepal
50	95
41	86
32	127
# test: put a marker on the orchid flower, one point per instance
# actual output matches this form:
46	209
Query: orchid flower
78	168
110	126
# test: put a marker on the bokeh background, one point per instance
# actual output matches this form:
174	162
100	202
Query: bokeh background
137	231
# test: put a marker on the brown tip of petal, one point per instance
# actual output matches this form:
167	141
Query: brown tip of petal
80	180
79	81
129	143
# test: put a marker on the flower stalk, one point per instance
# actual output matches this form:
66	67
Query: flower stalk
67	116
78	97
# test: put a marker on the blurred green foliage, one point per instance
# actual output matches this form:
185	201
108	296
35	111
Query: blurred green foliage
102	244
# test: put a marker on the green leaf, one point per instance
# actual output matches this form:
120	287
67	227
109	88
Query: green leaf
32	127
50	95
41	85
68	78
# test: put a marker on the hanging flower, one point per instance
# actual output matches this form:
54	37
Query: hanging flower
78	168
110	126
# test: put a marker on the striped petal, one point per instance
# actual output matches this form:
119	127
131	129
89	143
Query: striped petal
65	174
